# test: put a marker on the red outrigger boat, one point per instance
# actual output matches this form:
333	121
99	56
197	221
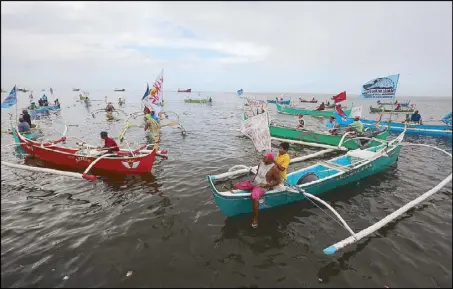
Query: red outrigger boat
185	90
308	101
139	161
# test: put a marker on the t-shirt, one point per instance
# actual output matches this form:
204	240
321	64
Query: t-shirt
110	143
357	125
283	160
23	127
416	117
330	125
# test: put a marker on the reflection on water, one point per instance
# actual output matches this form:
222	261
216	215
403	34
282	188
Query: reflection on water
166	228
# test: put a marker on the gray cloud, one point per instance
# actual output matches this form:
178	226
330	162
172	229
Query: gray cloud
273	46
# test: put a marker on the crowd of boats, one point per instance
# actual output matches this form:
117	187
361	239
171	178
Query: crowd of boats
365	148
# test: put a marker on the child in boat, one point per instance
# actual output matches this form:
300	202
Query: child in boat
23	126
109	144
267	178
283	160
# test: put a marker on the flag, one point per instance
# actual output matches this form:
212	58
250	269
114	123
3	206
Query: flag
146	92
239	92
340	111
11	99
156	92
51	90
339	97
381	87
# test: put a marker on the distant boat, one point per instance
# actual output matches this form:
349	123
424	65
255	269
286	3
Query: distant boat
185	90
22	89
76	89
122	89
3	90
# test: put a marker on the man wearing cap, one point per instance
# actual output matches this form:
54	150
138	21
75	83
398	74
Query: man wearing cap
109	144
356	126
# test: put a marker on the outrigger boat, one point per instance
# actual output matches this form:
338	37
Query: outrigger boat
307	101
285	100
298	111
395	127
43	109
197	101
382	109
283	133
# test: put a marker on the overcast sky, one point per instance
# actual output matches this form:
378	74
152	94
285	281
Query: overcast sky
320	47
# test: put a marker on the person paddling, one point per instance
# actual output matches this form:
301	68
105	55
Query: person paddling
109	144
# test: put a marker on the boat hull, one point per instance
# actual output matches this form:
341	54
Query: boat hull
379	110
185	90
395	127
321	138
196	101
308	101
68	158
284	102
237	205
45	108
297	111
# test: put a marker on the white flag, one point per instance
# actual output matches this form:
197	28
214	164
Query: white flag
356	111
257	129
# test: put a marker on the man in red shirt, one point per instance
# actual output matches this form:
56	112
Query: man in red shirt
109	143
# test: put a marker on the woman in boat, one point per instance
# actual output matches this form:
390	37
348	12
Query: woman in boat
301	121
268	177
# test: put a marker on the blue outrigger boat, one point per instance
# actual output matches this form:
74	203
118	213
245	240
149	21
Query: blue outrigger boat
351	167
395	127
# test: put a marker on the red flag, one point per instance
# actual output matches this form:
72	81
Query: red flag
340	111
340	97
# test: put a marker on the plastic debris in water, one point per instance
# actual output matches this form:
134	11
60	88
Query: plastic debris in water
129	273
65	277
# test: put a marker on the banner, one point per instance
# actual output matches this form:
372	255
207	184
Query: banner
356	111
339	97
381	88
257	129
11	99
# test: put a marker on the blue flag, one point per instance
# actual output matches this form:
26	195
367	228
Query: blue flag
11	99
146	92
381	88
239	92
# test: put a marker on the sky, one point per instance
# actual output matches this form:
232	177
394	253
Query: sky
311	47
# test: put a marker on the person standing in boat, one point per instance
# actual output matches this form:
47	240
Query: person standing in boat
109	143
57	103
109	107
23	126
332	126
283	160
416	117
268	177
301	121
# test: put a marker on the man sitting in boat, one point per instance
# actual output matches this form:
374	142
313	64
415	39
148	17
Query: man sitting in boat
282	161
332	126
398	107
26	117
57	103
109	143
356	126
301	121
109	107
23	126
416	117
33	106
322	106
268	177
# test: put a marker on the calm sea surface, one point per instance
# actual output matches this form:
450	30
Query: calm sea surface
166	230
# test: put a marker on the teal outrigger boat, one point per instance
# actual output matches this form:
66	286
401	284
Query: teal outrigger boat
298	111
343	140
322	177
